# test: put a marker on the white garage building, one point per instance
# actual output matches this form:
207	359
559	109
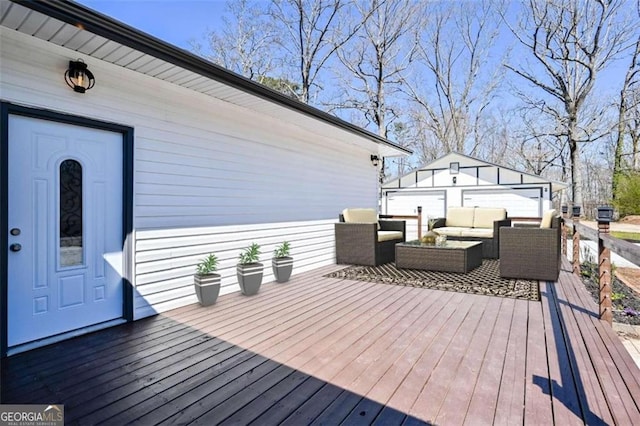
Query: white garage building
459	180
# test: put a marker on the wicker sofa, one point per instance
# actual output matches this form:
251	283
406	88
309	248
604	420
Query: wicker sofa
363	239
474	224
532	253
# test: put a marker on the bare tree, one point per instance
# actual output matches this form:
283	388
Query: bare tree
539	147
571	41
633	128
627	110
311	32
460	79
376	58
244	43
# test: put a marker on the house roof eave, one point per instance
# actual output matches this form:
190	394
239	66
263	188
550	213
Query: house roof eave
94	22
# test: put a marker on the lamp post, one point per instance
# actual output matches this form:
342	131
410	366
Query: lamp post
605	215
575	210
565	209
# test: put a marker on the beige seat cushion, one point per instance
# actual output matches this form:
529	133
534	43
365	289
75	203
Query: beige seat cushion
360	216
389	235
547	217
450	231
460	217
484	217
477	232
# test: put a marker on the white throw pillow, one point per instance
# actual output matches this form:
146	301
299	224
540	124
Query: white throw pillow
483	217
547	217
360	216
460	217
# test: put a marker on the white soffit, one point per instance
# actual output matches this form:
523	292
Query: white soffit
36	24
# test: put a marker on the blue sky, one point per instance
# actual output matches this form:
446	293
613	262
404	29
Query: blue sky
174	21
179	21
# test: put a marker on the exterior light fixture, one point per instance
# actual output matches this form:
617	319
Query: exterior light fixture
375	160
605	214
565	209
78	77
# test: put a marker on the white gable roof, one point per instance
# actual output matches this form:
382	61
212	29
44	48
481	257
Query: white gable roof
413	178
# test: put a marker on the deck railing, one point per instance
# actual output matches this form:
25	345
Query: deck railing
417	217
606	245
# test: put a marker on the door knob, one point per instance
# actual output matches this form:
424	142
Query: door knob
15	247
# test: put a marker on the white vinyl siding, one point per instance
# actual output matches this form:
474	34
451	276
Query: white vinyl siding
205	177
165	259
202	166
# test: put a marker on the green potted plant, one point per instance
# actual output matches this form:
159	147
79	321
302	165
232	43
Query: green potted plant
282	263
249	270
206	281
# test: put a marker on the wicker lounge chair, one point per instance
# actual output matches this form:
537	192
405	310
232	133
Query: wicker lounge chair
362	239
531	253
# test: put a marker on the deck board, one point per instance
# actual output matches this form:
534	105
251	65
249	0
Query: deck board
321	350
591	396
566	405
441	375
537	406
464	377
482	406
621	402
623	362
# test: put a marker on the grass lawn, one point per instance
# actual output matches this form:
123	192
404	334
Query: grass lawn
629	236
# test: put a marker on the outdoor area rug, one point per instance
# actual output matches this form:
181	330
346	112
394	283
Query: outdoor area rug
485	279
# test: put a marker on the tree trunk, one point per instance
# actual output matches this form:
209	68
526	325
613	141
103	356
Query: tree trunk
617	156
636	155
576	163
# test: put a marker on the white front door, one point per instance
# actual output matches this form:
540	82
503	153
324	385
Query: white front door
65	228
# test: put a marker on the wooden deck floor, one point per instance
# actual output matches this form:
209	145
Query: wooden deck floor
327	351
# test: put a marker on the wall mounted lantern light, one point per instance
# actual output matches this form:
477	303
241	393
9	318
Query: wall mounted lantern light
605	214
78	77
375	160
575	210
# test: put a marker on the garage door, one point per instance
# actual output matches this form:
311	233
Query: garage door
406	203
522	202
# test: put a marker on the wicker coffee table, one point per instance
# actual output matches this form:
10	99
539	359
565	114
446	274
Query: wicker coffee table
451	256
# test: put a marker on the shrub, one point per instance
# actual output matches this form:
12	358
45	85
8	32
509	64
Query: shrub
250	255
208	265
628	194
282	250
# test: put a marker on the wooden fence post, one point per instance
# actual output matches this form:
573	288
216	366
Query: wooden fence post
604	265
565	209
419	222
576	240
